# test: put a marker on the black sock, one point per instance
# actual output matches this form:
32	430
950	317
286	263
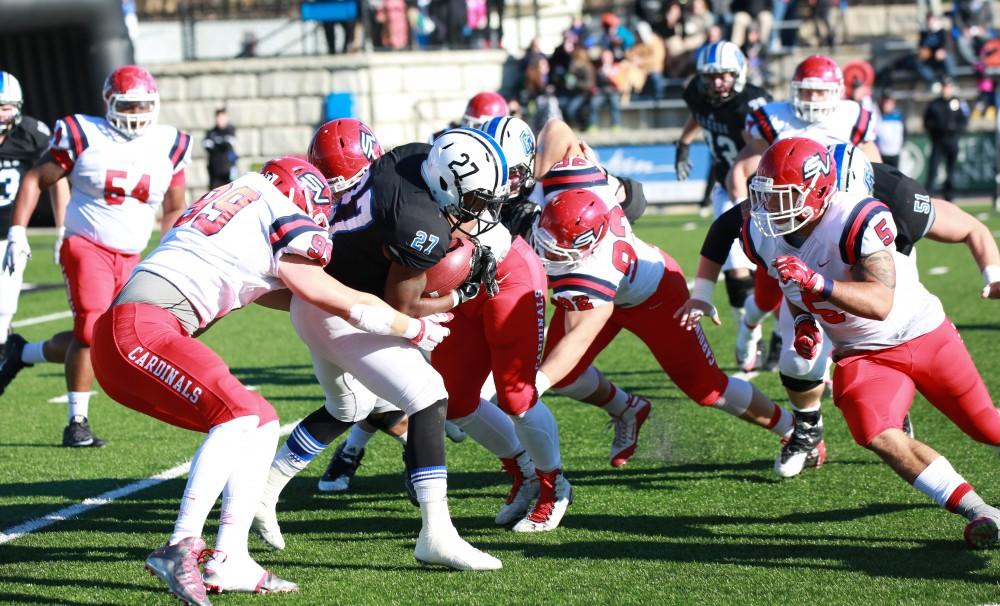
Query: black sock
425	437
321	425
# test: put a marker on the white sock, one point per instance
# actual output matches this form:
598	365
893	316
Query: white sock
941	482
435	516
492	429
32	353
782	422
241	495
298	450
753	315
357	439
226	446
539	434
617	403
78	404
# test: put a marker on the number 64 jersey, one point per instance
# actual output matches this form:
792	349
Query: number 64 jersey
223	252
849	229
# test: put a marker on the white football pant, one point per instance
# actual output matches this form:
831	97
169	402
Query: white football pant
10	290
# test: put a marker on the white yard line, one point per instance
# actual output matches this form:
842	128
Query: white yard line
106	498
938	271
59	315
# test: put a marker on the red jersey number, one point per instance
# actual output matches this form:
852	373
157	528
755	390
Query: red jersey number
217	207
114	188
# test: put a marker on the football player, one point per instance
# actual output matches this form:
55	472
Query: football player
480	108
720	100
121	168
916	215
23	141
835	256
816	110
388	230
240	243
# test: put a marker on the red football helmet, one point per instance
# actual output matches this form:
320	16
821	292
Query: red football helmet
795	180
817	87
303	184
342	150
132	99
482	107
570	228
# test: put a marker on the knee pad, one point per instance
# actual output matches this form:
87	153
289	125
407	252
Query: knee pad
795	367
738	290
797	384
348	407
582	386
736	399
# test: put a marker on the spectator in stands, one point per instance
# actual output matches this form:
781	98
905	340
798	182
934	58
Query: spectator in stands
615	35
945	119
934	59
393	26
747	13
220	147
560	59
648	58
972	25
891	129
779	8
652	12
986	101
248	45
477	23
496	7
820	15
609	85
349	28
755	52
581	81
690	33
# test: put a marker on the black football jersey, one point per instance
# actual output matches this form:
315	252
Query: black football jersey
724	123
20	150
909	203
388	216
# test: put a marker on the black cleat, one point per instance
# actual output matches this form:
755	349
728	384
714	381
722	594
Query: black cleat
804	448
341	469
79	435
11	363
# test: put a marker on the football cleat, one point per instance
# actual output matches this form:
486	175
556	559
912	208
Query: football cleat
627	426
555	495
177	566
444	547
265	522
225	574
908	426
340	471
523	492
455	433
981	533
747	340
804	447
11	363
79	435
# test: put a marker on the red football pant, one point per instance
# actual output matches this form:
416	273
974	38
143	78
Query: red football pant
875	390
144	360
93	276
766	291
503	334
684	355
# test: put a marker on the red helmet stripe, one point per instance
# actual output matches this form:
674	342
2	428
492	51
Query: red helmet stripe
857	222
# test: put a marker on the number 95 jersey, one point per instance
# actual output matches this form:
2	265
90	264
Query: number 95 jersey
117	183
223	252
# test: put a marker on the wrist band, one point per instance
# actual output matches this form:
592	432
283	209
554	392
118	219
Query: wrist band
991	273
703	289
827	289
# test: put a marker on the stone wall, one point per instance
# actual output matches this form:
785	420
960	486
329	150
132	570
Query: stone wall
275	104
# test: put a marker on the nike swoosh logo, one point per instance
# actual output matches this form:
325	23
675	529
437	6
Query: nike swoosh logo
823	264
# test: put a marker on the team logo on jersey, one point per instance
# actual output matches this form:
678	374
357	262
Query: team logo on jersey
367	142
588	238
816	165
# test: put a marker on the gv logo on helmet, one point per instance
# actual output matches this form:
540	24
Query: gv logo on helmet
527	142
588	238
367	142
816	165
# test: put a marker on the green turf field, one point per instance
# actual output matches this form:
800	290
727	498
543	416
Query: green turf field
697	517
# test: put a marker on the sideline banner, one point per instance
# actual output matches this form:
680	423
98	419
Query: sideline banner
653	165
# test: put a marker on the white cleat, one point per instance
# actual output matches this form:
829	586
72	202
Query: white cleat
627	426
445	548
265	522
455	433
747	340
555	495
523	493
227	574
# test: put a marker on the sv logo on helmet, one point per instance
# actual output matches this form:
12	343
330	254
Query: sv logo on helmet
588	238
816	165
315	187
367	142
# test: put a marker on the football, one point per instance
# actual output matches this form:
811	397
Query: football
452	270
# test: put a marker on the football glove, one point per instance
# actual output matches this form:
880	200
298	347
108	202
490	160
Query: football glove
794	269
808	337
682	163
484	270
518	217
430	330
60	236
467	292
18	251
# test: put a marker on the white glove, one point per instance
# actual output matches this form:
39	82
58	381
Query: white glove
428	332
60	236
18	251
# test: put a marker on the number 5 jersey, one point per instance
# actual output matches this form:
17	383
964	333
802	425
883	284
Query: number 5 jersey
117	183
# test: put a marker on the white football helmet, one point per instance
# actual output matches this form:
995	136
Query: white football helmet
10	94
466	172
518	144
854	172
720	58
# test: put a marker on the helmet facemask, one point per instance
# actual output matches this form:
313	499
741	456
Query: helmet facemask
559	258
792	212
813	111
7	125
133	113
709	80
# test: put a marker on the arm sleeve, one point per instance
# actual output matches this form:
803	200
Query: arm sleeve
721	234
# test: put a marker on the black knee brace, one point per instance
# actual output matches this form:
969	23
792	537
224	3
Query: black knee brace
425	437
795	384
738	290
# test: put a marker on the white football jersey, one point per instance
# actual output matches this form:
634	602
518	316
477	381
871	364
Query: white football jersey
498	238
223	252
117	182
851	227
849	123
623	269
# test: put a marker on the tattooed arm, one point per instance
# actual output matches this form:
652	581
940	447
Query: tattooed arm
871	292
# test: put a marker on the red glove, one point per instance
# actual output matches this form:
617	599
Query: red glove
808	338
793	269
